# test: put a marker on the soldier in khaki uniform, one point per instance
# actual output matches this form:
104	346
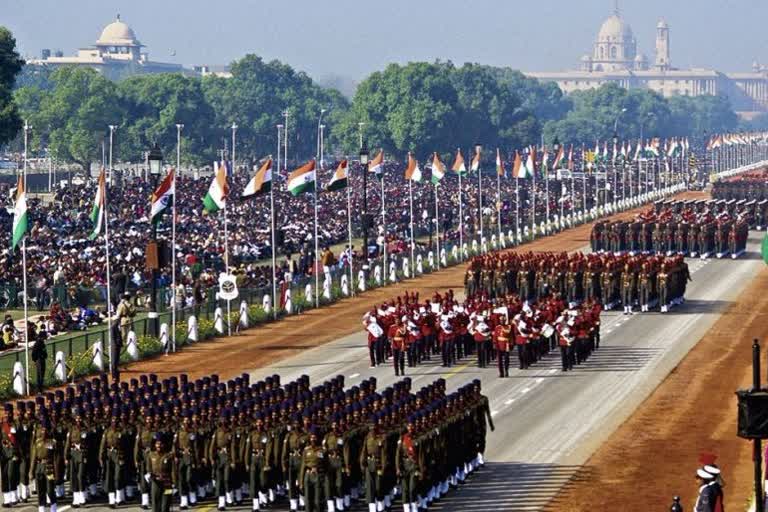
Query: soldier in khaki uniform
255	454
408	462
184	442
141	452
75	456
312	472
43	467
112	459
333	444
373	459
293	445
220	453
162	477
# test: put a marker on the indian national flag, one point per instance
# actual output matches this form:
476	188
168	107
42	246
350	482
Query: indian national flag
570	158
530	164
340	177
261	183
412	172
559	158
99	203
475	165
216	198
518	169
161	198
638	149
19	215
458	165
302	179
500	170
376	165
438	169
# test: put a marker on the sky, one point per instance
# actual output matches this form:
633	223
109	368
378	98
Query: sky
351	38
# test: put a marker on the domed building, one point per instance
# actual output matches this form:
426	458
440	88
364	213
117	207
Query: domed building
615	59
117	54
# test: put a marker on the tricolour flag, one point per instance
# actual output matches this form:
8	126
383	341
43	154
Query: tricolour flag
500	170
20	216
261	183
458	164
518	169
438	169
412	172
597	157
530	164
302	179
340	177
376	165
216	198
475	165
559	158
99	202
570	158
161	198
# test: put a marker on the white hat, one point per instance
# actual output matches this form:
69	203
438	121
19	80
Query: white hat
713	470
703	474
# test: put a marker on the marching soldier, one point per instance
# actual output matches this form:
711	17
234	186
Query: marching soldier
333	444
75	456
141	452
312	471
162	477
373	459
255	455
9	458
43	467
111	458
628	283
184	449
502	337
293	446
221	455
409	466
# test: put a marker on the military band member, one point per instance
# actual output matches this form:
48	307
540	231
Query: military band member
502	337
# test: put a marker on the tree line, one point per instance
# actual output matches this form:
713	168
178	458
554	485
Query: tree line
419	106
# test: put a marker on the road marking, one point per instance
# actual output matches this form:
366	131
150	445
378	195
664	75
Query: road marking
455	371
510	401
525	390
539	380
493	413
354	376
553	370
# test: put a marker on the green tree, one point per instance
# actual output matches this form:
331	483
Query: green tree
74	116
10	65
256	96
153	105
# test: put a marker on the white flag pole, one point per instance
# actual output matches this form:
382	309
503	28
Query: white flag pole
437	225
384	221
272	228
24	267
179	127
413	242
498	201
349	229
113	362
461	221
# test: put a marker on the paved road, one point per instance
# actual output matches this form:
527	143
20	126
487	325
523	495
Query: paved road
548	423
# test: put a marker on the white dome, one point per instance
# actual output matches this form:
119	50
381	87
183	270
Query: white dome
614	29
118	33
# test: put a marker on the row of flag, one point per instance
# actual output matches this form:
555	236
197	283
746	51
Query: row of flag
735	139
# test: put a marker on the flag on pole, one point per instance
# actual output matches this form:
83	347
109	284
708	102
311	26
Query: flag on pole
518	170
570	158
97	212
216	198
638	150
161	198
596	155
20	222
376	166
559	157
438	169
340	177
530	164
500	170
458	164
261	183
412	172
302	179
475	165
545	162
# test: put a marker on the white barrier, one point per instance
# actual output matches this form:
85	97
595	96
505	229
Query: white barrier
164	335
19	379
266	303
243	315
419	264
361	284
392	272
98	355
308	295
288	302
131	347
60	367
431	260
345	285
218	320
406	268
327	287
377	274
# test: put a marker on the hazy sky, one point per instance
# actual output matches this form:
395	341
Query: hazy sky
353	37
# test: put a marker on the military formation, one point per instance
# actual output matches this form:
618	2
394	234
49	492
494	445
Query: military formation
746	186
688	228
154	443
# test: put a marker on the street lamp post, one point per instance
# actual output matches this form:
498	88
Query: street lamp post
615	172
155	167
363	165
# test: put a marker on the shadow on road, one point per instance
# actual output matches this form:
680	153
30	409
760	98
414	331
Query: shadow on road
510	486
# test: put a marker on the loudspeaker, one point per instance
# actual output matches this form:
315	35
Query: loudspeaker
753	414
367	221
279	237
164	254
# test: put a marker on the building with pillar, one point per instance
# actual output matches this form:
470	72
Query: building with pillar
615	59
